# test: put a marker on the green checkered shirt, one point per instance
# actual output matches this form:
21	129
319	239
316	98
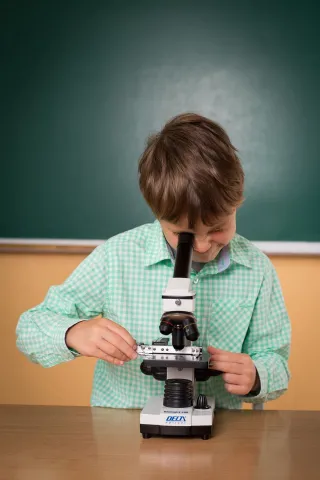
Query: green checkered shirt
239	308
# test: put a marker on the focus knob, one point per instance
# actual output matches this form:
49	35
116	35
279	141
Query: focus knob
202	403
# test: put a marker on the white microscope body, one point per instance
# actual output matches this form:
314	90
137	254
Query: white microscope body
179	411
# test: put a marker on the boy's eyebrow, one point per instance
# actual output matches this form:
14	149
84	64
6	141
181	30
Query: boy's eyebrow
218	225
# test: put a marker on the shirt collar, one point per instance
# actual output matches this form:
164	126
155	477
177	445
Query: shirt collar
157	251
156	247
231	253
238	252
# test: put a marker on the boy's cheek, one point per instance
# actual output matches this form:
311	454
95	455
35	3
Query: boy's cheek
223	238
171	239
174	243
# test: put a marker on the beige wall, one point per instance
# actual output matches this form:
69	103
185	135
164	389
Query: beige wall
25	278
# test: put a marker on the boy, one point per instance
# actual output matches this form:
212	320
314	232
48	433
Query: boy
192	179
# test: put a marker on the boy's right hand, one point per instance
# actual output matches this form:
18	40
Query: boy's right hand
102	338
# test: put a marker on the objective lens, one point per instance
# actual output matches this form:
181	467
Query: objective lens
190	329
165	327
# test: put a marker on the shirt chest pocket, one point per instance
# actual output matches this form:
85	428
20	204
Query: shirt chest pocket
229	321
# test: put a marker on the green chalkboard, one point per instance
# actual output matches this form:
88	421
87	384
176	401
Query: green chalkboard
84	82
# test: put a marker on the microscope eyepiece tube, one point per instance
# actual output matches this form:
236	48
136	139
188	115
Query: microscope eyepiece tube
182	264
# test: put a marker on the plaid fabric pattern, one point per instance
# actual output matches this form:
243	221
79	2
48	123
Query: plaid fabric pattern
239	308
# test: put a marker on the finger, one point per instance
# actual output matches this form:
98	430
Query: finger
227	367
236	389
109	349
232	378
213	350
122	332
229	357
119	343
218	351
108	358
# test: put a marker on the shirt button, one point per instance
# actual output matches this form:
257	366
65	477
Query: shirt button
196	280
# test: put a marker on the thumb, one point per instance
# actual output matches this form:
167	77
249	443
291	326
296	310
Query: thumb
212	350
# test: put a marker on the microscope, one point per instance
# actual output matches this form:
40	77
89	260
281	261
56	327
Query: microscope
180	412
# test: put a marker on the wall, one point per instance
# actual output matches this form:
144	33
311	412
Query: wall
25	279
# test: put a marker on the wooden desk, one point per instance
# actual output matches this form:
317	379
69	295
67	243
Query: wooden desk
66	443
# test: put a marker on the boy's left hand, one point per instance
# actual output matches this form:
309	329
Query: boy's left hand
238	370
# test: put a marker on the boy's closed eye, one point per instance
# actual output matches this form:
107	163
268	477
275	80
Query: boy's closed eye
217	230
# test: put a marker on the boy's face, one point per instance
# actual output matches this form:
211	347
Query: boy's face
208	241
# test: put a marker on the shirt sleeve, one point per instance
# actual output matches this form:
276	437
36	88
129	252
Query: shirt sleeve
41	330
268	340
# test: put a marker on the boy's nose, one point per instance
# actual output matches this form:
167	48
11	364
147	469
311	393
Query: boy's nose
201	246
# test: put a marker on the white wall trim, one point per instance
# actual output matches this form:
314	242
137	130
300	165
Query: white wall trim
51	242
270	248
289	248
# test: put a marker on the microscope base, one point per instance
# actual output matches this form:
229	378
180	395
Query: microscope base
155	419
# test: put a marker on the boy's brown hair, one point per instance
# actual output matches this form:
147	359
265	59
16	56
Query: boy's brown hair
191	169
